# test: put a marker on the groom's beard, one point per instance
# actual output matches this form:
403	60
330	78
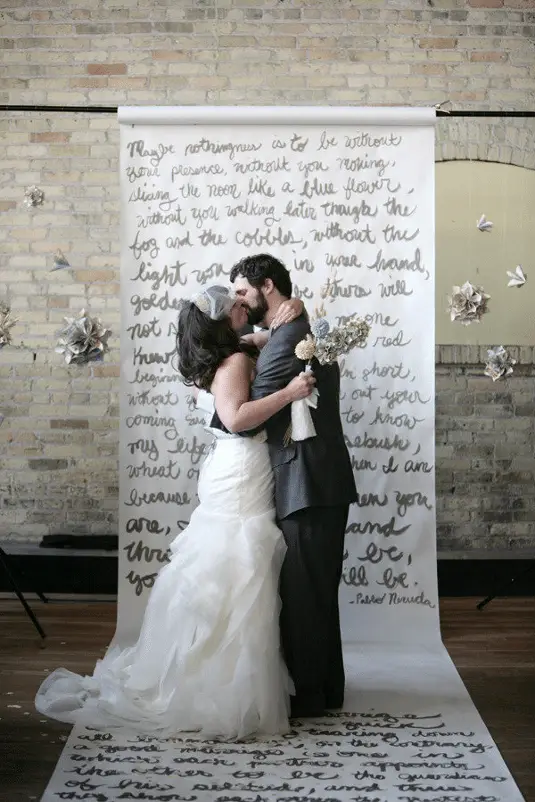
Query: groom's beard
257	313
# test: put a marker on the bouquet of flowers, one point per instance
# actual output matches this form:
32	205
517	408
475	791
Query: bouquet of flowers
327	345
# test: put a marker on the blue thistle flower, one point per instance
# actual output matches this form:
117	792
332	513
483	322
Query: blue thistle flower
320	328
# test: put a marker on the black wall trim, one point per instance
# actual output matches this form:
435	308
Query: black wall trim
97	574
62	573
113	110
485	577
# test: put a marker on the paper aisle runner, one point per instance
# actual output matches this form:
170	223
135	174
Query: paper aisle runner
414	737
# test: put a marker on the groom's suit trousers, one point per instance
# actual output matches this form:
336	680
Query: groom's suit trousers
309	587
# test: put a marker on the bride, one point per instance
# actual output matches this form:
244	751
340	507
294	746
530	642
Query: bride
208	655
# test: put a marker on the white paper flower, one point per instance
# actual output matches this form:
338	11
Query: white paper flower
306	348
84	339
33	196
468	303
499	364
6	324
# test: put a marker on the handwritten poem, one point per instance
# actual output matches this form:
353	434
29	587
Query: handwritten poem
349	210
372	756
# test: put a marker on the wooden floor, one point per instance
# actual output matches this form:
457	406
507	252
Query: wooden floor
492	649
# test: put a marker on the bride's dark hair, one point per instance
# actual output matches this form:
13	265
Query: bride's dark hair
203	344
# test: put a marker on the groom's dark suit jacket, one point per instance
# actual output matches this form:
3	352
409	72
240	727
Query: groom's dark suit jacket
313	472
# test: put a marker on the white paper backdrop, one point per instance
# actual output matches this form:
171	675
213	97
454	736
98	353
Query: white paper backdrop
339	195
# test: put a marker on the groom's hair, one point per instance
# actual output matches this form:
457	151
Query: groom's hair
256	269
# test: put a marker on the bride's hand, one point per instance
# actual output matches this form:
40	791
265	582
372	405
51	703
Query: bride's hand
301	386
287	312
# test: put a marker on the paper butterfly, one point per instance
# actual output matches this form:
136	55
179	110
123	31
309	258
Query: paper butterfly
60	261
483	224
517	278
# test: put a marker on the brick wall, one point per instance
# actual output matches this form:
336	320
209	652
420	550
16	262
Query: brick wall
495	139
59	436
477	53
60	431
484	453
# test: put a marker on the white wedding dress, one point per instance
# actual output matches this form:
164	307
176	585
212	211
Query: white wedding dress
208	656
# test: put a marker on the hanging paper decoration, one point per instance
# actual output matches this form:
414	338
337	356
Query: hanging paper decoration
517	278
33	196
60	261
84	339
468	303
483	224
6	324
499	364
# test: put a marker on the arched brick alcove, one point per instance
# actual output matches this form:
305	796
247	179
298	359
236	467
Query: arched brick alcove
508	140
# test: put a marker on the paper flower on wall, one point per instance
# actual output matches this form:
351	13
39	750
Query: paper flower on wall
84	339
6	324
483	224
499	364
517	278
468	303
33	196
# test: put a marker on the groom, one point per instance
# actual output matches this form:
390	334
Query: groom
314	486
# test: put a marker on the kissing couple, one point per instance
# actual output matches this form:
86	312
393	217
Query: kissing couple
241	629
